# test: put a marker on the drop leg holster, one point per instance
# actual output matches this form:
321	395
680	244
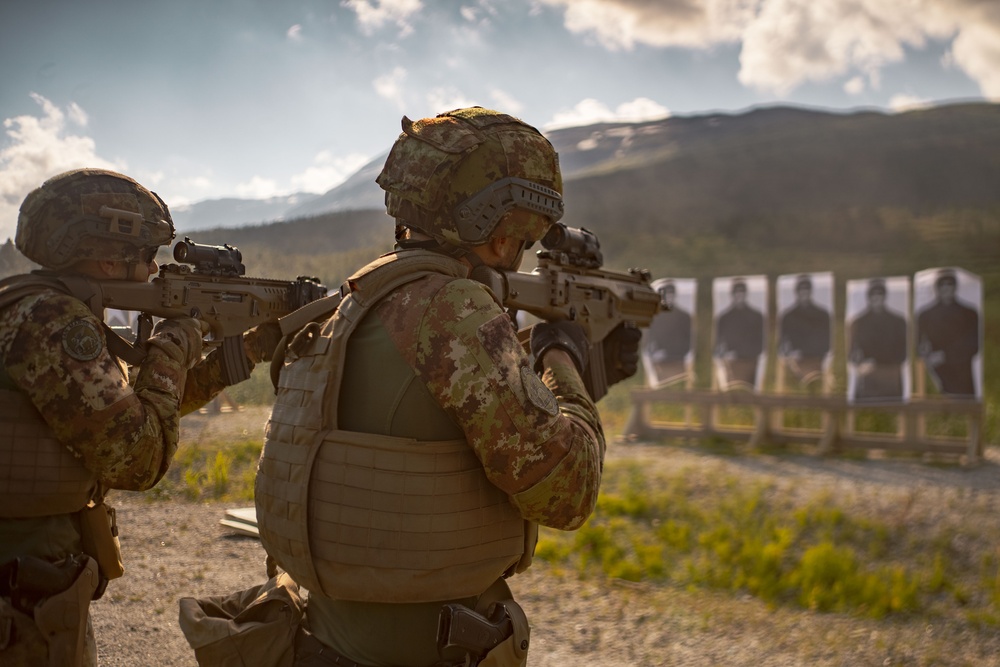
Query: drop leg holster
62	618
57	596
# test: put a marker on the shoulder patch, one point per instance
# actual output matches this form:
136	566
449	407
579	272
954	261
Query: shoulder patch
82	341
536	391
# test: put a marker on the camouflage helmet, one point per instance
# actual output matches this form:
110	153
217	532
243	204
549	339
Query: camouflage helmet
456	175
91	214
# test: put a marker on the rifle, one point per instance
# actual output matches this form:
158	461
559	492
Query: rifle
569	284
207	283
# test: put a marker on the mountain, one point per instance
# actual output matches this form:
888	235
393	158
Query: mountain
359	192
234	212
784	159
715	169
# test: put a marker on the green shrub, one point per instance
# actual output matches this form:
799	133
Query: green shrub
212	470
719	533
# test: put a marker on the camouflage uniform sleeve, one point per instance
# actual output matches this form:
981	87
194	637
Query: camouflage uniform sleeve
204	382
55	350
546	453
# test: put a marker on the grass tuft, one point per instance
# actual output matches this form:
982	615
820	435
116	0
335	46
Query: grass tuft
719	533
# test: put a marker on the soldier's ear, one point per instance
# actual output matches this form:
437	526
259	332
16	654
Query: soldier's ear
109	268
100	269
498	244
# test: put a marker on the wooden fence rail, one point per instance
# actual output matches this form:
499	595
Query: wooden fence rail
839	425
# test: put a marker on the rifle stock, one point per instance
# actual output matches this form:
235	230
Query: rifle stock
569	284
214	291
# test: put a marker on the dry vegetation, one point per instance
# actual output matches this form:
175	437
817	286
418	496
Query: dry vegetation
175	548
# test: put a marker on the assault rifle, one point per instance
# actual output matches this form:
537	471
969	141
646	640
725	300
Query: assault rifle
208	284
569	284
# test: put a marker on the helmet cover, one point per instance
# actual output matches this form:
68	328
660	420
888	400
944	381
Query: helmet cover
91	214
455	176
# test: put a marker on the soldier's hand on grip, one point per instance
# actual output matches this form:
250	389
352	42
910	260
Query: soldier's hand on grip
261	341
621	352
565	335
180	339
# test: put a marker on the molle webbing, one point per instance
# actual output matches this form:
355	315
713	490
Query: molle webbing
366	517
39	476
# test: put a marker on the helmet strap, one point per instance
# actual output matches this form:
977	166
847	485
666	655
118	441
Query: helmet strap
405	239
131	272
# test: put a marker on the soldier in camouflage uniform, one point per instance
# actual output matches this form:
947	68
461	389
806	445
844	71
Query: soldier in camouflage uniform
71	423
415	445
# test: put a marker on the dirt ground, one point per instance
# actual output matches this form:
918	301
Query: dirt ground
176	549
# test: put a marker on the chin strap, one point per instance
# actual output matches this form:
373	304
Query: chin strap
133	267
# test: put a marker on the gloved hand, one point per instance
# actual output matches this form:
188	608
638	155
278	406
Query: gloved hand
261	341
180	339
621	352
565	335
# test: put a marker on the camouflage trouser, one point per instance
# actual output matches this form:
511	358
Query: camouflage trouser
59	634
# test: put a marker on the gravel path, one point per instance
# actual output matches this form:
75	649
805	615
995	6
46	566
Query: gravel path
175	549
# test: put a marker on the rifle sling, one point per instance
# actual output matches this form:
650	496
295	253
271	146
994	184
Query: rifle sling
121	348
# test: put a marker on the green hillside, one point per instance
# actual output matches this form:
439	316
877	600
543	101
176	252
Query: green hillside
771	191
802	179
329	246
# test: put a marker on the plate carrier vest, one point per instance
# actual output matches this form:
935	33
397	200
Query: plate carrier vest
39	476
366	517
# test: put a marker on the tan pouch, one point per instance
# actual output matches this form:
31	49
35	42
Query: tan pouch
251	628
99	534
62	619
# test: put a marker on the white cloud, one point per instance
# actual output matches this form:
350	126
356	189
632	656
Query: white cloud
480	14
259	187
440	100
294	33
373	14
327	171
185	190
793	41
621	24
151	179
506	103
902	102
77	115
640	109
590	111
855	86
977	51
785	43
39	147
390	86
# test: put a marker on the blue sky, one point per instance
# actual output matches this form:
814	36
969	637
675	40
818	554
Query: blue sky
201	99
